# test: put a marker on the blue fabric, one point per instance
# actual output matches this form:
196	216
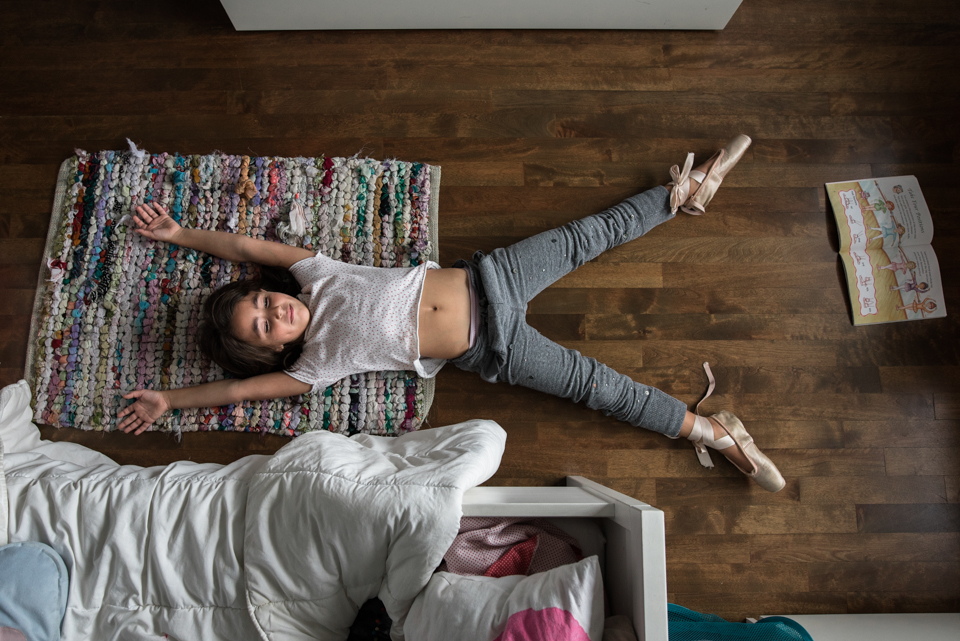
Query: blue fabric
687	625
33	592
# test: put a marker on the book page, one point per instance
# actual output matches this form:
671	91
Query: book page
880	213
890	284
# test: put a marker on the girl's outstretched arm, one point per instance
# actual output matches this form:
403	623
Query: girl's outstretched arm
152	221
151	405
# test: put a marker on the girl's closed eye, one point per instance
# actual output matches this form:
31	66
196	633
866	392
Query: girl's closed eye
265	304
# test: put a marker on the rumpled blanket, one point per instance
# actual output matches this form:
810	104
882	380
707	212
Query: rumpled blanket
277	547
505	546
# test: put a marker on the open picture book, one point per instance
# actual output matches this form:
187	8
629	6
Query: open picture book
885	233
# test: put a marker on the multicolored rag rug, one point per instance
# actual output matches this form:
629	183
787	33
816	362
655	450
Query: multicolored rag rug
117	312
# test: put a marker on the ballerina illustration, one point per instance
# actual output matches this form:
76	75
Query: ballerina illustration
912	286
893	230
926	305
886	206
901	266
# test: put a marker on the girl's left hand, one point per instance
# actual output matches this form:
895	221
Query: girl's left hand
155	223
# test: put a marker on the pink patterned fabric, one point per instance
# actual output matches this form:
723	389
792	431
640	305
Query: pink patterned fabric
483	542
516	561
536	625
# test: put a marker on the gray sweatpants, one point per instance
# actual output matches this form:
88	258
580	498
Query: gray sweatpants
508	350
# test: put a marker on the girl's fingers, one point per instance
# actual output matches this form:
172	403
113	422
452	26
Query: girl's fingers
146	212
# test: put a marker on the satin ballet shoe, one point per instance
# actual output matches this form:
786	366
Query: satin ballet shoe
695	202
762	469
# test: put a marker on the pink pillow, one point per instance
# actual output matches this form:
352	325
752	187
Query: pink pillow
564	604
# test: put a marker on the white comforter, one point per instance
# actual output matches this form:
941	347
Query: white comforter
278	547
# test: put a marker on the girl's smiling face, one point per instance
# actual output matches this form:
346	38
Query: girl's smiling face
270	319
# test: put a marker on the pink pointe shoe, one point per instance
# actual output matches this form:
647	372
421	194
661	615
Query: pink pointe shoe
720	165
762	469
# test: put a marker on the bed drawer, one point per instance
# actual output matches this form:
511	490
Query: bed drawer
635	571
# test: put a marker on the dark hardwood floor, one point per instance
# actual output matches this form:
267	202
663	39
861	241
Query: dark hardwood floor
534	129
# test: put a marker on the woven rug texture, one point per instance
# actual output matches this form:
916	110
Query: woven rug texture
117	312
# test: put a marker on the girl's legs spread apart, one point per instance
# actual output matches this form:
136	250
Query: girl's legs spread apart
526	268
514	275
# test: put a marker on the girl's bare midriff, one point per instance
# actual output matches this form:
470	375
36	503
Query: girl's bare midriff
444	314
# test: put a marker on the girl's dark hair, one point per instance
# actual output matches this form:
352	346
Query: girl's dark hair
215	335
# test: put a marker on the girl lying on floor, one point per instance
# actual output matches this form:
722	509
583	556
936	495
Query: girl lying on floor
350	319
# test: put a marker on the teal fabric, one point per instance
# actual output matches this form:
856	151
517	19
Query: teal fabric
33	592
687	625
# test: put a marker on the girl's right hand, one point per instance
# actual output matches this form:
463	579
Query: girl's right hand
150	406
153	222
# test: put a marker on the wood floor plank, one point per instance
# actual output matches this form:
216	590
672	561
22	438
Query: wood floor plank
901	433
879	490
680	301
721	491
733	608
231	54
696	520
793	519
943	379
760	275
846	462
29	220
848	152
473	174
662	353
930	600
763	327
568	202
14	329
952	484
21	251
947	406
894	577
852	150
849	104
732	548
837	407
913	517
699	578
18	302
22	276
936	461
852	548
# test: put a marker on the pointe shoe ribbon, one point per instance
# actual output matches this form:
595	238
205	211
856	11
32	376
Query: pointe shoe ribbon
702	432
680	184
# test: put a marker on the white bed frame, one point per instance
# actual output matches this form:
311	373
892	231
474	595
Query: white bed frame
636	569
